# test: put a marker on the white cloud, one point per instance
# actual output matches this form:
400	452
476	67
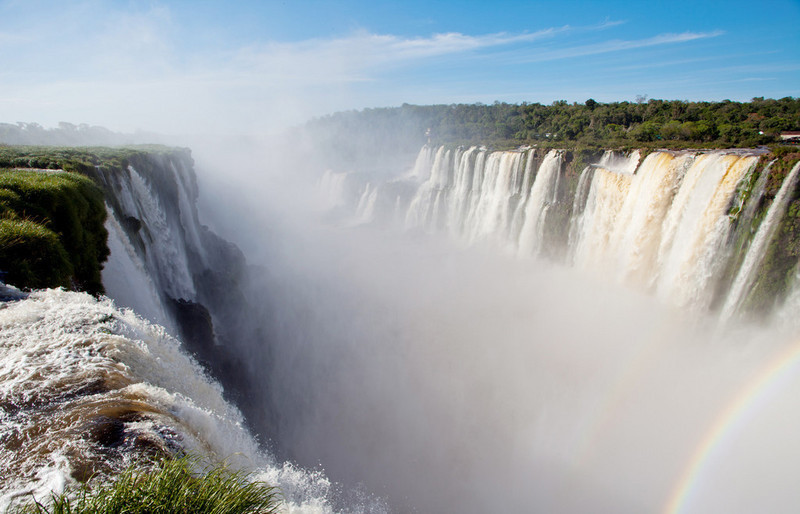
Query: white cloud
351	58
93	62
618	45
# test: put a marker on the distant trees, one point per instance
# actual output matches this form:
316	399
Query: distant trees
667	122
67	134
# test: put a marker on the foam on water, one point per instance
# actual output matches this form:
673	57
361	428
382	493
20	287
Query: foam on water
87	389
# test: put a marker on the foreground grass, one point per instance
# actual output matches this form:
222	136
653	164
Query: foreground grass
172	487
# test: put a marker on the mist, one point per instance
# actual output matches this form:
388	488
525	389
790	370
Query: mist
429	376
433	377
449	379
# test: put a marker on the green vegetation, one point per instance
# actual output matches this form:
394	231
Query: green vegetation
51	221
778	271
77	159
51	230
642	124
171	487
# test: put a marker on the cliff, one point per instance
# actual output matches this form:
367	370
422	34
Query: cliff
65	209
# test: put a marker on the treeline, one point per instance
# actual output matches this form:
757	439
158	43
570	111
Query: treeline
68	134
669	123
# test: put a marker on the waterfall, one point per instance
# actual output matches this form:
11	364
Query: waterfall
542	193
578	209
423	211
365	210
695	227
422	165
490	216
161	233
605	200
528	177
127	280
332	187
515	383
620	162
621	227
755	254
660	224
462	191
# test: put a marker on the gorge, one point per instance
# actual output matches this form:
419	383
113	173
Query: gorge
526	330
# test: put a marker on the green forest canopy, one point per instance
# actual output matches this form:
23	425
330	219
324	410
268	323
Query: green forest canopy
665	123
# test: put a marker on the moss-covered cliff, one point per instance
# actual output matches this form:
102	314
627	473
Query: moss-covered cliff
51	230
52	212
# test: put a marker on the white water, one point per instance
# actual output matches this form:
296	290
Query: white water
695	228
163	234
126	279
541	193
658	224
72	364
332	186
755	254
87	388
366	204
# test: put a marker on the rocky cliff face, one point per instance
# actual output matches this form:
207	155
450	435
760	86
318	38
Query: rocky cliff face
169	267
137	209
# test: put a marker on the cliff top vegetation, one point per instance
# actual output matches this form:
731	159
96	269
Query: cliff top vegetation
77	158
673	124
52	213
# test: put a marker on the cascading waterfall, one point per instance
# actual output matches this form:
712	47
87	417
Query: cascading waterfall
332	186
125	277
755	254
619	162
366	204
462	190
541	195
491	215
621	230
696	227
659	224
606	197
171	262
425	207
422	166
578	209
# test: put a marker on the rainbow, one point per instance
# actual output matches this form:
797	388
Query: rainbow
733	417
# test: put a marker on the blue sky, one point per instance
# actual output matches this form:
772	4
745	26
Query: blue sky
214	66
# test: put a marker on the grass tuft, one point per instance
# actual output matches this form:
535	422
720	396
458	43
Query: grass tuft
172	487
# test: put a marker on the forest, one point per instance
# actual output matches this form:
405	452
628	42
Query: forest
642	123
